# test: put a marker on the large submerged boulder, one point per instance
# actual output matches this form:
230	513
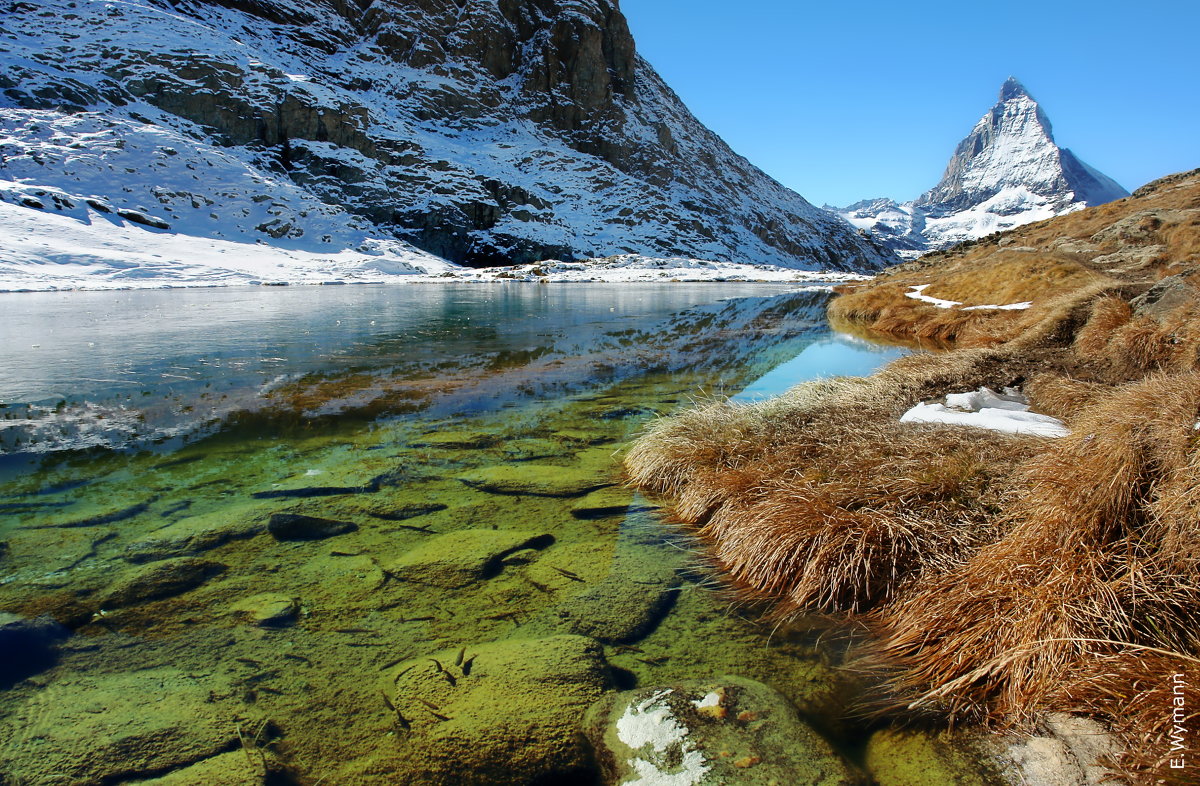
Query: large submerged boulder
477	715
729	730
110	728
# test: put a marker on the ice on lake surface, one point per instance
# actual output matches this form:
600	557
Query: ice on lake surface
262	513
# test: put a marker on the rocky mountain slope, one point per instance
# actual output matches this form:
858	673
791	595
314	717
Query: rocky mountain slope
395	134
1007	172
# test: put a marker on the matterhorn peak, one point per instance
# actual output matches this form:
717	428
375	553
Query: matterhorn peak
1012	88
1007	172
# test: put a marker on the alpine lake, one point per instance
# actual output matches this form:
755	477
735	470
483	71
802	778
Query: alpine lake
340	532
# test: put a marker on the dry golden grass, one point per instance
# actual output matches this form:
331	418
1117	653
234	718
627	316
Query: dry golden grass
1140	685
1103	546
843	523
821	501
1012	277
1003	576
1120	345
884	308
1131	242
1061	396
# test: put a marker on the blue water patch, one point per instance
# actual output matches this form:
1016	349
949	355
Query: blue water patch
840	355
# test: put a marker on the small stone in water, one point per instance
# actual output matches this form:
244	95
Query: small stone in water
296	526
267	609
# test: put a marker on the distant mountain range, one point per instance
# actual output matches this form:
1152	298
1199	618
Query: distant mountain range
397	135
1007	172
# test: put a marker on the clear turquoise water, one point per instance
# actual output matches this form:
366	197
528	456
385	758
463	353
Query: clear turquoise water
142	429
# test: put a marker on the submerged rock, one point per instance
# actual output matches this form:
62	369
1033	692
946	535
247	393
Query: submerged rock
639	584
191	536
296	526
234	768
457	440
1067	751
729	730
110	516
906	757
622	607
159	580
406	512
458	559
498	709
308	492
536	480
267	609
606	502
112	728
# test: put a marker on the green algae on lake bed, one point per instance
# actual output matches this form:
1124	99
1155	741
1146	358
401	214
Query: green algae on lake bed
482	486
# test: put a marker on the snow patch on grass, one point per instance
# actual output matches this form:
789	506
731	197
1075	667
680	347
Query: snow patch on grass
918	293
984	408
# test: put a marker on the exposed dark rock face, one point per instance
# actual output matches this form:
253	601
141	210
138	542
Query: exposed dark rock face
499	131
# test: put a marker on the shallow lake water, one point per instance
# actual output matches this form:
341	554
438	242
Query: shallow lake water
257	509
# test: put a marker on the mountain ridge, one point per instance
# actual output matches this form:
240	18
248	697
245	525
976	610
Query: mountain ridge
501	132
1006	172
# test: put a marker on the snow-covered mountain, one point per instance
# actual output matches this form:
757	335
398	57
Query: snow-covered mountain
380	137
1007	172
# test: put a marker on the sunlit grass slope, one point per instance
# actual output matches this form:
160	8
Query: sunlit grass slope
1000	576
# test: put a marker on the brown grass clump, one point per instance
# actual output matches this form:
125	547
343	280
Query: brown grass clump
1108	315
1137	690
821	500
846	520
1104	546
1061	396
1122	344
1003	577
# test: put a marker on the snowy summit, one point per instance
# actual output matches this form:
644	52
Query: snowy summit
1007	172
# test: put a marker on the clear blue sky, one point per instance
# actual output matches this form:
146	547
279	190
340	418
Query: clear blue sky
843	101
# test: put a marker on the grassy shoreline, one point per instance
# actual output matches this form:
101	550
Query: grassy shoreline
1002	578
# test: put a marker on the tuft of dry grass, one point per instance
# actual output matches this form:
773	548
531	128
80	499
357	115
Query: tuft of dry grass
1103	545
821	501
1120	344
1109	314
1062	396
846	521
1136	689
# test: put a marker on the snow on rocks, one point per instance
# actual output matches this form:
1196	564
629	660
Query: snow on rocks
480	714
634	267
67	242
303	127
1007	412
